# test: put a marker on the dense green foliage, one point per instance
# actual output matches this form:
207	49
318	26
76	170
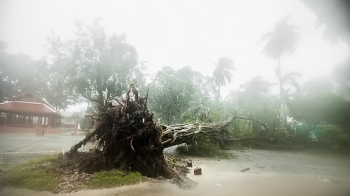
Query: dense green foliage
203	149
171	93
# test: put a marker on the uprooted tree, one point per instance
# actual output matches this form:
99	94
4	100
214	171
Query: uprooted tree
129	139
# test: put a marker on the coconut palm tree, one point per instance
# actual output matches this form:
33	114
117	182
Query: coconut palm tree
280	41
288	84
222	73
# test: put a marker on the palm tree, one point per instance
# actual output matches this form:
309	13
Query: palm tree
281	40
287	85
222	73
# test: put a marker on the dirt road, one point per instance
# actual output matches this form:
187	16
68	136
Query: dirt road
270	173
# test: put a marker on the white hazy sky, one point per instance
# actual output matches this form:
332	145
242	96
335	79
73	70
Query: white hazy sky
179	33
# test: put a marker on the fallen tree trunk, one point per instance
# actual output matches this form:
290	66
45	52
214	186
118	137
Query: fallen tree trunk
186	133
129	139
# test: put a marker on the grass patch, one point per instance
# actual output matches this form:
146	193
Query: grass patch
113	178
44	159
37	180
39	174
34	174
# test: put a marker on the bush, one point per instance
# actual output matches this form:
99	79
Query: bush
202	148
333	137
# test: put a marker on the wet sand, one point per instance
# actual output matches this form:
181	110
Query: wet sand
270	173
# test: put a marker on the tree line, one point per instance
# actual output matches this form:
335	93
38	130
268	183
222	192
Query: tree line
94	66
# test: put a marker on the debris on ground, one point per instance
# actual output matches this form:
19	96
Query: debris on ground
198	171
246	169
72	183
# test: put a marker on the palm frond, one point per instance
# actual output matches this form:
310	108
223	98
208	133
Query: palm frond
222	71
281	40
292	79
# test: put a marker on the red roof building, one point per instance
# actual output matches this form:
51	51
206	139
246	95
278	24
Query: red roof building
28	111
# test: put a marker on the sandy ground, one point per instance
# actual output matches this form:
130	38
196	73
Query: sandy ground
270	173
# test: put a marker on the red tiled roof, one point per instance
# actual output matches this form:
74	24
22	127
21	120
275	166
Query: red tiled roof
26	107
30	97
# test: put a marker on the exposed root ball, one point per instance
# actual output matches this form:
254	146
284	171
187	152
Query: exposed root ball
128	138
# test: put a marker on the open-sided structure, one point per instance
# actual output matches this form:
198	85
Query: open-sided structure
29	110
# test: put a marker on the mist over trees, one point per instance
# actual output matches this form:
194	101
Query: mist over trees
94	66
280	41
20	74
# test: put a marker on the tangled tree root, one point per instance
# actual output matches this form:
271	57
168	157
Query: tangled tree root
128	139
